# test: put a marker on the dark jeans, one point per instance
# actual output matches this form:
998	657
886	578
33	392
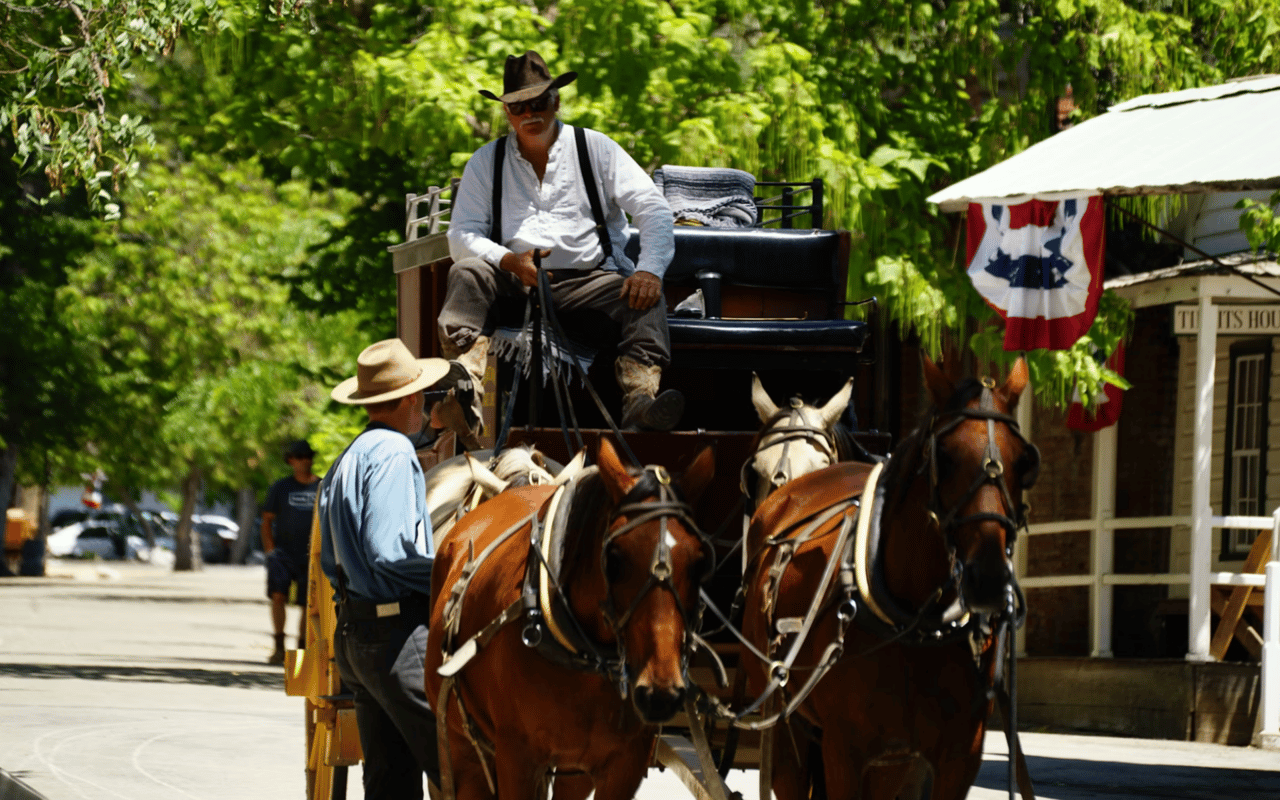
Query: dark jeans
381	662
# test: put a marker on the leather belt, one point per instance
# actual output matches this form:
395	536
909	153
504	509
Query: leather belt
354	609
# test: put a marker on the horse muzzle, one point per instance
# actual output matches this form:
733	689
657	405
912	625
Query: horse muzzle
984	583
657	705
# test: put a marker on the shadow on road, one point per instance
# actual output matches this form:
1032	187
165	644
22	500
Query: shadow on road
1072	779
200	677
157	598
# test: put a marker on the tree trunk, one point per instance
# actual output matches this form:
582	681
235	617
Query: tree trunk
246	513
187	542
8	470
131	504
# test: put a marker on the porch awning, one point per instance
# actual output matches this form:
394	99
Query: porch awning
1216	138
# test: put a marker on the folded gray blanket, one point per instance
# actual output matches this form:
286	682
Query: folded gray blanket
719	197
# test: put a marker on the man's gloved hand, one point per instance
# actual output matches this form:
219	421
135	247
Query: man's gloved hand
642	290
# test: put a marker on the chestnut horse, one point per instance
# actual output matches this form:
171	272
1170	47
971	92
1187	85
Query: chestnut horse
920	564
573	685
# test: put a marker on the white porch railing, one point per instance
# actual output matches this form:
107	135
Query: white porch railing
1102	580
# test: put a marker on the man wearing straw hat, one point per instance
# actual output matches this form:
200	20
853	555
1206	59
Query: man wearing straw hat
376	549
562	193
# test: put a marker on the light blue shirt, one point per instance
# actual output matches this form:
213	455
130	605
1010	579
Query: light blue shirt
373	510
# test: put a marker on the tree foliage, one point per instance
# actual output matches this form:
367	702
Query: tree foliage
205	367
887	102
1261	225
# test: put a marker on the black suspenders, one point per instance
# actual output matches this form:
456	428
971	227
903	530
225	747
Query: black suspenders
588	177
593	196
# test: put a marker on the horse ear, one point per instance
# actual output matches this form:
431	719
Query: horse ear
1014	384
699	474
572	469
615	475
836	405
485	478
761	400
940	386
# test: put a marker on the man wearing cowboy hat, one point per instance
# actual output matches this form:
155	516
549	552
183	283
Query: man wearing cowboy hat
286	539
547	208
376	549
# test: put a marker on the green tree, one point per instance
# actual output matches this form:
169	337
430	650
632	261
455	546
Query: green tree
885	101
205	366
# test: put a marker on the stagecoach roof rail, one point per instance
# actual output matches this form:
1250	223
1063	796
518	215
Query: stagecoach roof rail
437	210
785	203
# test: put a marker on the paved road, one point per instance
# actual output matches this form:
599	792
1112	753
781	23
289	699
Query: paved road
134	682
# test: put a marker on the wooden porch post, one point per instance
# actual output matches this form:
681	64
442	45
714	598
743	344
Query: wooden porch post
1103	551
1198	617
1025	422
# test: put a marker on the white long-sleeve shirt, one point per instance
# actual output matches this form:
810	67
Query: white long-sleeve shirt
555	213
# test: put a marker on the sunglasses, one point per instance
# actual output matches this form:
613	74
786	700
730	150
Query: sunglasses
536	105
431	397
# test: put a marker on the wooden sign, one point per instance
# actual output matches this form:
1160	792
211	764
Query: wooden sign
1233	320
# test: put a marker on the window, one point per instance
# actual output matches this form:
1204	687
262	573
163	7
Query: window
1245	465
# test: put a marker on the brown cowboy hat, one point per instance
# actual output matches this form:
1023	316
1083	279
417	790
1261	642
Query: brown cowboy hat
526	77
387	370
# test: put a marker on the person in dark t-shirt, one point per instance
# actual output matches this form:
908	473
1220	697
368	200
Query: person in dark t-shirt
286	539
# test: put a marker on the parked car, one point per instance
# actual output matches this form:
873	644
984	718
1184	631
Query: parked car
106	539
217	535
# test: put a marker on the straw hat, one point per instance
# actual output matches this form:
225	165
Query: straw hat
387	370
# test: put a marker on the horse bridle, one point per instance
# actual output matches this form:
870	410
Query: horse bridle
773	436
666	507
992	471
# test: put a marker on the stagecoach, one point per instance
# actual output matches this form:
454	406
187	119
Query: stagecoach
760	305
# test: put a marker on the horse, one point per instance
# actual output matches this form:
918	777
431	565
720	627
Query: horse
459	484
605	574
792	441
915	552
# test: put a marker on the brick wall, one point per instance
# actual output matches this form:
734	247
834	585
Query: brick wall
1058	618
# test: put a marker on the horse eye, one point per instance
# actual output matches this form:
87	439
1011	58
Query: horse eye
1028	466
614	564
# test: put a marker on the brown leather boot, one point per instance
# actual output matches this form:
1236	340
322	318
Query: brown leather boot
643	408
474	360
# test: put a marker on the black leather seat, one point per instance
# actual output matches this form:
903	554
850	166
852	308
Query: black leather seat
801	261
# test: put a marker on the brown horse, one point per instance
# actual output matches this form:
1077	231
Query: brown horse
602	579
897	700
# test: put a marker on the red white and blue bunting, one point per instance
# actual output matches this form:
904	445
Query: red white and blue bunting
1039	264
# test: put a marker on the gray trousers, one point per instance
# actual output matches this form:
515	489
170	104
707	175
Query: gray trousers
474	285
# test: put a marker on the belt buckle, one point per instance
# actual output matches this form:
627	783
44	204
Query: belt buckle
387	609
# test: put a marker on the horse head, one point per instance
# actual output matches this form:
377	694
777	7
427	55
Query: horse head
653	560
794	441
978	464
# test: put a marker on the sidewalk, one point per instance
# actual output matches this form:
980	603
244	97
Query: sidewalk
135	682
